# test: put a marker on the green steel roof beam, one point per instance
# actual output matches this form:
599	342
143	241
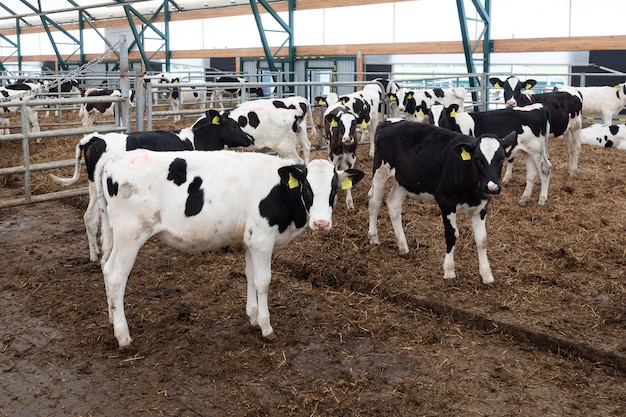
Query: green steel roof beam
139	35
45	20
484	11
13	13
288	28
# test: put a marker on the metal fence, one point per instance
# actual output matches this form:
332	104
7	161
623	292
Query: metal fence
478	98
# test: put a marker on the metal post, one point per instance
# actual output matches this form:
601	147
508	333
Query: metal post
140	99
124	84
25	152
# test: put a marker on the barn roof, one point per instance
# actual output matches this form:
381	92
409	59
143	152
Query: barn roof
32	13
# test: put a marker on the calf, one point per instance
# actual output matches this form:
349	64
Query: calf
366	104
457	171
235	94
19	92
532	124
564	109
89	111
186	95
340	129
263	202
392	91
210	132
416	103
605	100
608	136
68	88
276	124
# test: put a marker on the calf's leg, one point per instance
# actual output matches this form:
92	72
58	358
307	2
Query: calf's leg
92	219
258	276
480	236
394	205
375	197
451	233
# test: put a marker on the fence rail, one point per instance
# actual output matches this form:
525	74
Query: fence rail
478	98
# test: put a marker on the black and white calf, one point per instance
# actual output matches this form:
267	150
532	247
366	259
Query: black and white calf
210	132
89	111
340	130
19	92
235	93
263	202
532	124
608	136
605	100
367	101
417	102
564	109
392	92
186	95
279	125
457	171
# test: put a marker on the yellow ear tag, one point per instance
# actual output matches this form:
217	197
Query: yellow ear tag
453	113
293	182
392	98
363	124
346	183
508	149
216	120
465	155
334	123
320	102
616	86
528	86
497	85
344	100
420	113
409	96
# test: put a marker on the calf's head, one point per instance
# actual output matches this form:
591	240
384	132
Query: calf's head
487	153
512	88
340	127
313	187
214	130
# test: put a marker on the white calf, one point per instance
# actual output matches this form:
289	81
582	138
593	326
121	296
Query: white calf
605	100
608	136
199	201
276	124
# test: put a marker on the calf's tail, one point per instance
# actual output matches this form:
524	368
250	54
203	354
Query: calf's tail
74	178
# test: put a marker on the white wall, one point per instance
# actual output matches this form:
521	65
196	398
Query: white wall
410	21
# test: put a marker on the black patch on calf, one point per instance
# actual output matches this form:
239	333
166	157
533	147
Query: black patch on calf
178	171
438	92
284	205
614	129
242	121
253	118
195	199
92	152
112	186
279	104
609	143
160	140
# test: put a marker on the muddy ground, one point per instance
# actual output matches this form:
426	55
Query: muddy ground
361	330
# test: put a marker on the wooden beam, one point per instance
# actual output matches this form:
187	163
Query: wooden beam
579	43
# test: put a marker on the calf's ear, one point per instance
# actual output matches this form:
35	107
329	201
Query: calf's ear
292	175
530	83
509	142
464	150
349	177
213	116
496	82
